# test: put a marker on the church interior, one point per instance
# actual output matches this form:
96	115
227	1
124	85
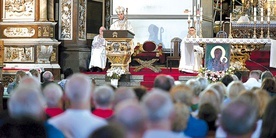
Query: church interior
219	53
55	35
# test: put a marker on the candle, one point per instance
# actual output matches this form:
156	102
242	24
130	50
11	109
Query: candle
201	12
194	13
194	10
262	14
255	14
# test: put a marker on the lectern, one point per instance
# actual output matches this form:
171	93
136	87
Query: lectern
118	48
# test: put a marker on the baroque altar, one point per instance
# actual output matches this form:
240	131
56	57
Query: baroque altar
241	48
28	32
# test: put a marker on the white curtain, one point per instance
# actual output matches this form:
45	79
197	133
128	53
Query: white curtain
272	62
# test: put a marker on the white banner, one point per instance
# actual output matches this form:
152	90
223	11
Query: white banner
272	62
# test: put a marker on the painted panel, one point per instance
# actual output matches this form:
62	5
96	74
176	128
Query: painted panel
18	10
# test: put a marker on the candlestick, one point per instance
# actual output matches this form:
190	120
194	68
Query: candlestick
268	14
230	29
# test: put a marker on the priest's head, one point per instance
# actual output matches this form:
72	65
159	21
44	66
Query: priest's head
120	12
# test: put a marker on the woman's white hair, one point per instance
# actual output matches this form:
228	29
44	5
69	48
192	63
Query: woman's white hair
26	101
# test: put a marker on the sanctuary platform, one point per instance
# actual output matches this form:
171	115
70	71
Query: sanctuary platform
145	77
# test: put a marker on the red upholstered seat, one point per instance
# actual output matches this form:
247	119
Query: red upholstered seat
146	53
149	50
149	46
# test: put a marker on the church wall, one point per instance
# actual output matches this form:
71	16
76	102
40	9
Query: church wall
71	28
162	20
72	34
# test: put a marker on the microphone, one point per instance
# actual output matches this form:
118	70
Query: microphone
258	64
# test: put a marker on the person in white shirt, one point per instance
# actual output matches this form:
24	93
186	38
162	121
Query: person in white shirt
253	80
191	54
98	53
78	121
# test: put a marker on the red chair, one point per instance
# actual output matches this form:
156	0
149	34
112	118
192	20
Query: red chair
147	54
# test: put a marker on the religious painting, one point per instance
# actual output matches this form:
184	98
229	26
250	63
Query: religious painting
19	54
18	10
217	57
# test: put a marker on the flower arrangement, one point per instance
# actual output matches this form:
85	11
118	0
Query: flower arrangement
214	76
115	73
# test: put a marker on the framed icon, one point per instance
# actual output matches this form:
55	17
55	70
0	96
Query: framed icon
217	57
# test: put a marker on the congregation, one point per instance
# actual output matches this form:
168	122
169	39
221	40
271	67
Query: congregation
78	108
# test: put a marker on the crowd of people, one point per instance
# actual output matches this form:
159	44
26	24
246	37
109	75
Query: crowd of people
79	108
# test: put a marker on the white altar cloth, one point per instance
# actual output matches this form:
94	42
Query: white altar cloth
228	40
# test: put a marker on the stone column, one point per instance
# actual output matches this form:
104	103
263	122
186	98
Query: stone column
51	6
43	11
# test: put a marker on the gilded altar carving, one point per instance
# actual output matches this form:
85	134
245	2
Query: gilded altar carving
82	20
19	32
53	57
44	53
19	54
66	10
45	31
247	30
118	52
19	10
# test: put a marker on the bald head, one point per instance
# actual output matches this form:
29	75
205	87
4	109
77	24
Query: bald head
48	76
101	30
